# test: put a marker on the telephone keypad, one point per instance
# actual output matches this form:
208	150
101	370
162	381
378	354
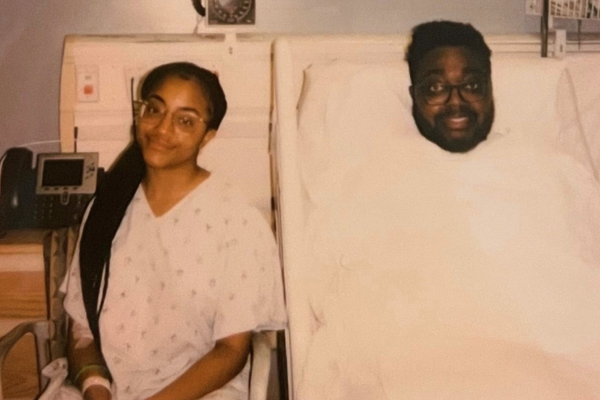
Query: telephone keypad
60	210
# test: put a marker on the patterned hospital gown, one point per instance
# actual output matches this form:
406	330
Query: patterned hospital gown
205	270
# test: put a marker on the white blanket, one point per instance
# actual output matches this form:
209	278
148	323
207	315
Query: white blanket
466	276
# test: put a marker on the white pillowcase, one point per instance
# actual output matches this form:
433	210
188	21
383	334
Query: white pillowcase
526	89
584	72
347	113
535	99
350	112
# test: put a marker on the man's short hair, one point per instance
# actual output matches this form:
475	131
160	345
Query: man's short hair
431	35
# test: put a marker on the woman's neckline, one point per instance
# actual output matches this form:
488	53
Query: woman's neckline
160	207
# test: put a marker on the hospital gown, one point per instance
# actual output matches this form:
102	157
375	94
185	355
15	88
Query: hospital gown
205	270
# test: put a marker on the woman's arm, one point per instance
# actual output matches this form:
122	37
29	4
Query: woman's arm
214	370
86	361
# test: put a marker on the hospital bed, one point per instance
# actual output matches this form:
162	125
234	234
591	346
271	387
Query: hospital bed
386	297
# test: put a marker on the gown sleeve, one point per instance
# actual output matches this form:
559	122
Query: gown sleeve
251	298
71	285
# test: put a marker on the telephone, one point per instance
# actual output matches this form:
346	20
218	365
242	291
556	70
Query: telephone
52	195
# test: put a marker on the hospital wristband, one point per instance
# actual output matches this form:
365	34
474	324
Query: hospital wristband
93	367
95	381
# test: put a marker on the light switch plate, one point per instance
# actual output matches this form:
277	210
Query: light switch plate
88	83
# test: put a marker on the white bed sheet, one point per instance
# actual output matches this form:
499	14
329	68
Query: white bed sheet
444	256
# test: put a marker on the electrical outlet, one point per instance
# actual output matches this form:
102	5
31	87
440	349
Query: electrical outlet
560	43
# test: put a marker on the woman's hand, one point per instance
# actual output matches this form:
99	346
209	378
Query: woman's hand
86	364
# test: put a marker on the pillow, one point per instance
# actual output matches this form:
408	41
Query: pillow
352	113
348	112
525	93
583	72
534	99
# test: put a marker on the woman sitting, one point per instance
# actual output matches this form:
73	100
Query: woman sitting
173	270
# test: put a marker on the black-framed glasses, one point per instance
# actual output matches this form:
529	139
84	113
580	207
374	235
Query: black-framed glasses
437	93
152	112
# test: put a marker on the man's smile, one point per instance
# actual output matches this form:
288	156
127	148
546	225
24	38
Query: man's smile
455	123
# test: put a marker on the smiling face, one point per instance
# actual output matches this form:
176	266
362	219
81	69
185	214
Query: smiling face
172	129
462	119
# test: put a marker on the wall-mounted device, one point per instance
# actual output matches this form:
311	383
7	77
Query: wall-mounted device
227	13
53	195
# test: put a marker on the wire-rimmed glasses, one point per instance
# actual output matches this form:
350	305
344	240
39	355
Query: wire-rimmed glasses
152	112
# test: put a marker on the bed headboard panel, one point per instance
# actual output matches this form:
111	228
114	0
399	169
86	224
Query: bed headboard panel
95	104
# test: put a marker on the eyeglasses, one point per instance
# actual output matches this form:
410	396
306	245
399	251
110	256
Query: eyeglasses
153	112
436	93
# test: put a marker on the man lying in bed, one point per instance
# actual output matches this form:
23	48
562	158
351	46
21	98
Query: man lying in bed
503	183
469	273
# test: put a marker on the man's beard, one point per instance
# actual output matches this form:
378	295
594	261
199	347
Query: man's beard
454	145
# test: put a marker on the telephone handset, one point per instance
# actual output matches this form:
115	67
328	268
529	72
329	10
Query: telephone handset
53	195
17	189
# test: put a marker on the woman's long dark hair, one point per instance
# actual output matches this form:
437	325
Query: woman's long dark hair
120	184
